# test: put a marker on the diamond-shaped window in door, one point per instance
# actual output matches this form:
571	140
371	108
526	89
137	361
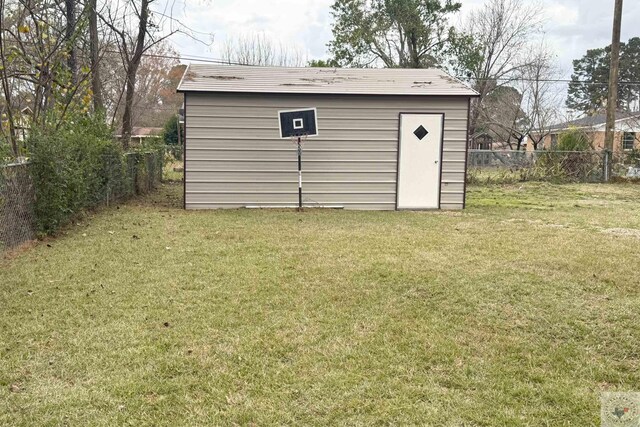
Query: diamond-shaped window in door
421	132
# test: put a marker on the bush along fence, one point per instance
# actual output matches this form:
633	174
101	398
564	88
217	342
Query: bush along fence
486	167
38	197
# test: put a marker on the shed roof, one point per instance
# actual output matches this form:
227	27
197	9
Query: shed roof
355	81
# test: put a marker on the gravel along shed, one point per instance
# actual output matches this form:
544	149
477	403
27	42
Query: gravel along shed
387	139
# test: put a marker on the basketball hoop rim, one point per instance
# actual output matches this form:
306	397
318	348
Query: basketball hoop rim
303	138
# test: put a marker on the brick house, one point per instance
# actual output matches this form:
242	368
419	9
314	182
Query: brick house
627	136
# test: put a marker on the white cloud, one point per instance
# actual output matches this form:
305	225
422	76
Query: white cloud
292	22
561	15
573	26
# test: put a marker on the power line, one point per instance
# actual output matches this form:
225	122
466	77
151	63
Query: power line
504	80
219	61
570	81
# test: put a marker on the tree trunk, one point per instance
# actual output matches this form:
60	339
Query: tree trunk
132	72
96	84
72	64
474	116
413	52
5	87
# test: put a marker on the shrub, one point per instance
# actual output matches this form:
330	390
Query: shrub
170	137
170	132
574	140
632	158
5	151
75	167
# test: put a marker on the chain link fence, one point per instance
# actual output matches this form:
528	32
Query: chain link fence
138	173
487	166
17	197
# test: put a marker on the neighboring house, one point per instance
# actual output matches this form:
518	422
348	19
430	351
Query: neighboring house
139	134
485	141
627	135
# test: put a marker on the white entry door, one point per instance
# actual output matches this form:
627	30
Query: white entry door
419	161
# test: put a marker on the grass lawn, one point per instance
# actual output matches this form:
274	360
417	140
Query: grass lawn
518	311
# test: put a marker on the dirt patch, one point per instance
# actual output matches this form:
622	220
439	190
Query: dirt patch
537	222
627	232
17	251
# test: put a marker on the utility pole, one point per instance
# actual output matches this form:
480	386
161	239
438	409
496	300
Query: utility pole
612	103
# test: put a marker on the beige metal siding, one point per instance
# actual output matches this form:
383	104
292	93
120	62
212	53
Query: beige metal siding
235	157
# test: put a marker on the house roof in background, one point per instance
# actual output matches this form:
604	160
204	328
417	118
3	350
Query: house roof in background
142	132
336	81
594	121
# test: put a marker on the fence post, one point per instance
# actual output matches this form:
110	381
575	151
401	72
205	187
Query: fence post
607	165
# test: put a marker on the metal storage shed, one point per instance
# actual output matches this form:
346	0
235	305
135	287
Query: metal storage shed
388	138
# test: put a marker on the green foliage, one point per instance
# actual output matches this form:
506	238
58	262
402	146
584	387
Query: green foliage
547	166
631	157
80	166
75	167
465	54
170	137
573	166
594	67
323	63
170	131
573	140
151	144
399	33
5	151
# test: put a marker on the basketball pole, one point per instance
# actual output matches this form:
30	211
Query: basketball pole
299	174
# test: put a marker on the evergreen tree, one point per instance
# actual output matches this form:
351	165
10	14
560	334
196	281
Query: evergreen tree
589	81
394	33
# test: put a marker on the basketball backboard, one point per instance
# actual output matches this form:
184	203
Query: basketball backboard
295	123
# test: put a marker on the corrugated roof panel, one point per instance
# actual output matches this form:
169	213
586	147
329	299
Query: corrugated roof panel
357	81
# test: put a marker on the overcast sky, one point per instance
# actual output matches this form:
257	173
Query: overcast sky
573	25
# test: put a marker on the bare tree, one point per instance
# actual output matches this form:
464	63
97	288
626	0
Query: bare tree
542	99
94	55
258	49
502	31
7	108
503	118
132	64
158	77
36	39
528	108
131	49
70	38
52	59
138	29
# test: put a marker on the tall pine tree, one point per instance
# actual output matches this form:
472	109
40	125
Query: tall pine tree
588	87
